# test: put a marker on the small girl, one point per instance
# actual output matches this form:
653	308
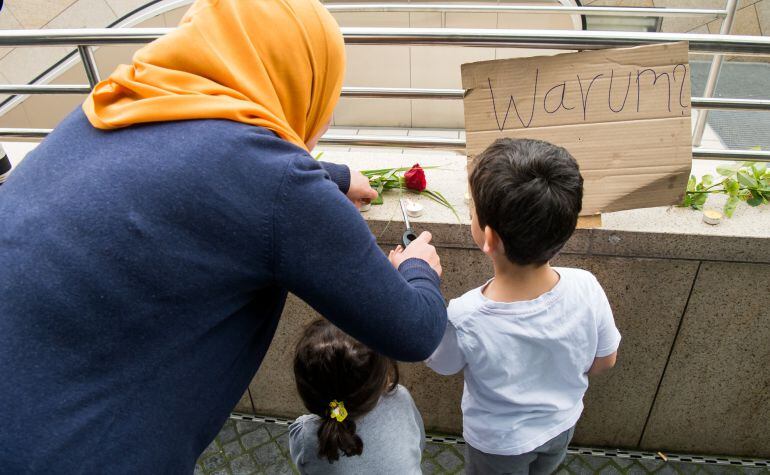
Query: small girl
358	409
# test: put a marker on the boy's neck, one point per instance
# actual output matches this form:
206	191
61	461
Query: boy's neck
515	283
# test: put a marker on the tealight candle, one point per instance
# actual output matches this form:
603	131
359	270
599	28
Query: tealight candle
712	216
413	208
366	207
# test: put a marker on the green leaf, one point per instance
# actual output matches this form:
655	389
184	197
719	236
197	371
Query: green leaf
691	183
730	206
707	180
759	169
378	200
320	154
728	170
699	200
731	187
686	201
746	180
756	199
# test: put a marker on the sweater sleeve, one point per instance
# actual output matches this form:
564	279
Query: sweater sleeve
340	174
326	255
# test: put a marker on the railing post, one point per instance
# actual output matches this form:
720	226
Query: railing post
89	63
713	77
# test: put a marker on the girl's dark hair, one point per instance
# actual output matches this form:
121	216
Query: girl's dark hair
330	365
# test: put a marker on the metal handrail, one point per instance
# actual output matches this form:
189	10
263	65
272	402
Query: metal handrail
428	142
543	39
456	94
402	93
545	9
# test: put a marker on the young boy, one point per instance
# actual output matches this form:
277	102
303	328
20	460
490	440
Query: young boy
528	339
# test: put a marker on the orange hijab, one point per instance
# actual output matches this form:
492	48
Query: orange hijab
277	64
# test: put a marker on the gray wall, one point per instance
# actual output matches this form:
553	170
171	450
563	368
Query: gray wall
692	374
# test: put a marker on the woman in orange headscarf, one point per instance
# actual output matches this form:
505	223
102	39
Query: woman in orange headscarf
150	242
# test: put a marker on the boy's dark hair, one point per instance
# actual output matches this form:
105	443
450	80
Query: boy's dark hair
330	365
530	192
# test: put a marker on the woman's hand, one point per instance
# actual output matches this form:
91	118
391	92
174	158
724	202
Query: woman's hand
360	191
420	248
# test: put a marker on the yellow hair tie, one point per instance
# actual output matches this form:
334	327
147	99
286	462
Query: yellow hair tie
338	411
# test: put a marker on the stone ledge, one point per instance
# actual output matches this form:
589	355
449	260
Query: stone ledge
664	232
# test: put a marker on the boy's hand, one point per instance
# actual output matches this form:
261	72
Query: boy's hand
360	191
420	248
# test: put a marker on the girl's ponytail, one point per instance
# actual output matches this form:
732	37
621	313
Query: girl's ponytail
339	379
335	437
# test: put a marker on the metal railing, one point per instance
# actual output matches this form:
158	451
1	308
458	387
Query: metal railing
545	9
86	39
535	39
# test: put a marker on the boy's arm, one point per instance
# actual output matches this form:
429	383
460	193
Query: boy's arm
608	339
602	364
448	358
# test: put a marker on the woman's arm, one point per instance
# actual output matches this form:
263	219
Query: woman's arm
340	175
326	255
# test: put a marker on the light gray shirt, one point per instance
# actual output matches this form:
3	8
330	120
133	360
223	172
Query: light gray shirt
525	363
393	436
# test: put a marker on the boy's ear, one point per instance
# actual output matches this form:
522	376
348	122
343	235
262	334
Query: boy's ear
492	241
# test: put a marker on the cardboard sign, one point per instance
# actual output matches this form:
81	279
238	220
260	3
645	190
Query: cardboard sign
624	114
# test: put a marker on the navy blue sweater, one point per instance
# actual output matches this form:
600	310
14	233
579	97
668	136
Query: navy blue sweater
143	272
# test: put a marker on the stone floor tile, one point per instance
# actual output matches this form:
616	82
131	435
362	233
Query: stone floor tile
232	449
651	465
624	463
429	467
433	449
243	465
578	467
755	471
247	426
214	461
281	468
283	442
212	449
686	468
276	430
449	460
720	469
255	438
610	469
268	454
227	434
596	463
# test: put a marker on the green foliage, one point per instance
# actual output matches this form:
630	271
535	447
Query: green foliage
742	181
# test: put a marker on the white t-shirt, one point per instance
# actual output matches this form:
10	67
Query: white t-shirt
525	363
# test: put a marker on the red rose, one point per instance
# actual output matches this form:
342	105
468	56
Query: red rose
415	178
